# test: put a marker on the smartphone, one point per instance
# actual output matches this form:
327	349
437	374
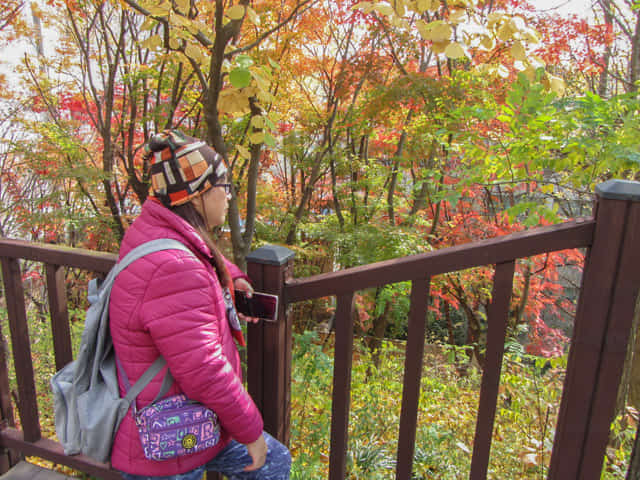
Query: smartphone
260	305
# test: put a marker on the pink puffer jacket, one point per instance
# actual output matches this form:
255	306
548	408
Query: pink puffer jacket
171	303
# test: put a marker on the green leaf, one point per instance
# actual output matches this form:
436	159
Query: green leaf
244	61
269	140
240	77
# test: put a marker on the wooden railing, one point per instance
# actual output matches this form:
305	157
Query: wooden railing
610	285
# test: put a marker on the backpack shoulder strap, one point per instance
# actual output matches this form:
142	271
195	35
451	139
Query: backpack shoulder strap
147	248
135	254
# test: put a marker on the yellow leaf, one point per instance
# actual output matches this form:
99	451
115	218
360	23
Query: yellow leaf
530	73
257	121
518	52
178	20
384	9
487	42
157	9
366	7
174	44
243	152
440	32
361	5
256	137
148	24
236	12
556	85
456	16
454	50
422	27
505	32
152	42
439	47
194	52
530	35
253	16
398	22
399	7
233	101
423	5
183	5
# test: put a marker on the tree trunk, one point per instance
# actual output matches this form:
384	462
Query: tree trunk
631	376
634	63
604	75
634	465
306	196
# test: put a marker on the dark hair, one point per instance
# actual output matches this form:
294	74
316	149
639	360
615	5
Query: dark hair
190	215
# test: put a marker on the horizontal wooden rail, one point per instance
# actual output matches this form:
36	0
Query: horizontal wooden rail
100	262
52	451
492	251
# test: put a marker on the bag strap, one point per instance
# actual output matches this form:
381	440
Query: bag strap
143	381
147	248
135	254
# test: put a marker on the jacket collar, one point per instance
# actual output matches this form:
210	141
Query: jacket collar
159	221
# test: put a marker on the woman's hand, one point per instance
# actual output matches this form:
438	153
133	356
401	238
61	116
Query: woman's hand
244	286
258	453
240	284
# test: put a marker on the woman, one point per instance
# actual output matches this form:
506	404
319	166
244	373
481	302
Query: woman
173	303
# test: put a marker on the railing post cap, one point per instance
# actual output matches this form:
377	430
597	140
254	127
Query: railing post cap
619	190
271	255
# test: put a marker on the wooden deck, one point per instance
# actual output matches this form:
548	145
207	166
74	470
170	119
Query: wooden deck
29	471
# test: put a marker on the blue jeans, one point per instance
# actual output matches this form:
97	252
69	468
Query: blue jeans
231	462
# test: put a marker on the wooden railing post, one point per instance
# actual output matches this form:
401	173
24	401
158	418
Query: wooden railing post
269	343
610	285
19	328
7	459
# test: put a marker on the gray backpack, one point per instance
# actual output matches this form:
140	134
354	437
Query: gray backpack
87	404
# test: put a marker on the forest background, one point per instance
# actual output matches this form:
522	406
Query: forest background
354	132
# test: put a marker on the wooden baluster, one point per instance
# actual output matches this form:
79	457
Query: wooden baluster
58	309
497	317
341	396
6	409
412	377
14	294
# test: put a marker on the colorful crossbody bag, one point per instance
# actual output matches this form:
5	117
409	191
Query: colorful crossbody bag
174	426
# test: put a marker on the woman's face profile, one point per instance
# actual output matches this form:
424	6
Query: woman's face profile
212	205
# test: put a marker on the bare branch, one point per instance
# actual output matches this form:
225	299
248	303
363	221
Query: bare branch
297	10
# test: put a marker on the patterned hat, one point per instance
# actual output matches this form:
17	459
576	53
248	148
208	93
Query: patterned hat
182	167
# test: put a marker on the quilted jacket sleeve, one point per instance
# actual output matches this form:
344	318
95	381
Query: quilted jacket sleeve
179	313
234	271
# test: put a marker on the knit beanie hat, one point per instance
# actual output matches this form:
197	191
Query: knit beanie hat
182	167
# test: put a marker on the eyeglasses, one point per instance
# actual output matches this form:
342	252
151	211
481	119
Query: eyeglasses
226	186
